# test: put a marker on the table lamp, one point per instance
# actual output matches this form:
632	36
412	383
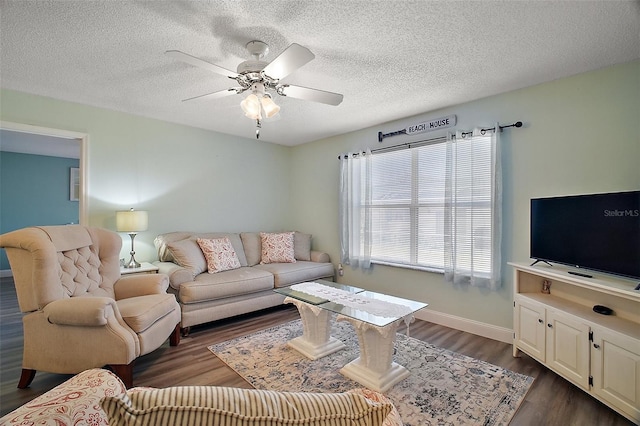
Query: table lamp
132	222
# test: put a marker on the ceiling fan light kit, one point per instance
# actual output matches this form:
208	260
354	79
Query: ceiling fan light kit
258	76
257	102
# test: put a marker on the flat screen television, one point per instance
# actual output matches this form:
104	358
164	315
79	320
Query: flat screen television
600	232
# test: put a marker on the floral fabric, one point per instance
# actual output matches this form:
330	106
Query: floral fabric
277	248
75	402
219	254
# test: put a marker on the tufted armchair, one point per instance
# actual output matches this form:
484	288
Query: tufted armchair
80	313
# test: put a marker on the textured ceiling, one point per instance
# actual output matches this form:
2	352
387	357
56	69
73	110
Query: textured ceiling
390	59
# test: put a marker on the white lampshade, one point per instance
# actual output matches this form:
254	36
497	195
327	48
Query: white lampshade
132	221
270	107
251	107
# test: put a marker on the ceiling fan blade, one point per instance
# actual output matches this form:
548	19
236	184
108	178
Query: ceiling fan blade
197	62
292	58
216	95
308	94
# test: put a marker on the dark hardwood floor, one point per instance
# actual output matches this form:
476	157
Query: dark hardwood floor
551	400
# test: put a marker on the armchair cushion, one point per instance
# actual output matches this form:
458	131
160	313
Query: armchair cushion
80	311
143	311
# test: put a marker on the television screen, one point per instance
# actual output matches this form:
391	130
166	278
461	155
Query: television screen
600	232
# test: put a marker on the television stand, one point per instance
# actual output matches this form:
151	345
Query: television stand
598	353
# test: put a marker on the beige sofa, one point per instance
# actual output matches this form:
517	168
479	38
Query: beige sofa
206	297
98	397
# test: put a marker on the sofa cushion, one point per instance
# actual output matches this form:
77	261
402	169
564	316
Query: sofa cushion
188	254
277	247
219	253
285	274
162	240
252	247
224	405
302	246
243	280
143	311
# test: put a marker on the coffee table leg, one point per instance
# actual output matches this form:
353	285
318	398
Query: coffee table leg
316	340
374	368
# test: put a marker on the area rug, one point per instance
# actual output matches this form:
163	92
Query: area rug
445	388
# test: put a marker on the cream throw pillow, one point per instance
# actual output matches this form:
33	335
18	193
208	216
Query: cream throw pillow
302	246
211	405
277	248
219	253
188	254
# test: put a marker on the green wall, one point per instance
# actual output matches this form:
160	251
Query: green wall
581	135
188	179
39	185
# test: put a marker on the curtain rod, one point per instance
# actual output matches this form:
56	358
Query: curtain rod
432	140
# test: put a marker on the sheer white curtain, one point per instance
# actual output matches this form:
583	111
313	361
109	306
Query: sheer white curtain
355	220
473	199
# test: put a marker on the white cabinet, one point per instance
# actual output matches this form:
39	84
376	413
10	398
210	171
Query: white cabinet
555	339
568	347
616	370
598	353
530	329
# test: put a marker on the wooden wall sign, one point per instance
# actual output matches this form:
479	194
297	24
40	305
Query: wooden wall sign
422	127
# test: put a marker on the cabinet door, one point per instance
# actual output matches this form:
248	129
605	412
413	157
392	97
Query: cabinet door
529	320
616	370
568	347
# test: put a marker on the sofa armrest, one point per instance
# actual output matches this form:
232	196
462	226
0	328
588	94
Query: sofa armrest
320	257
80	311
74	402
176	273
140	285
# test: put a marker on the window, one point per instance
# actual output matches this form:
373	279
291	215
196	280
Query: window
433	207
407	206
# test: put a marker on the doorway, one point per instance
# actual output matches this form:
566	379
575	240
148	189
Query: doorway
49	140
38	166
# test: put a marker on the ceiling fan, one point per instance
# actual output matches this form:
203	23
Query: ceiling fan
260	77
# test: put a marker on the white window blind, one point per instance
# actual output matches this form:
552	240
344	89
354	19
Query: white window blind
407	206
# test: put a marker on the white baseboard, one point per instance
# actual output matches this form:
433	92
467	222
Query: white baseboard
489	331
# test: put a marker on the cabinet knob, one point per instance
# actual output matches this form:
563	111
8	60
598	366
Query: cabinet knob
549	325
540	321
597	346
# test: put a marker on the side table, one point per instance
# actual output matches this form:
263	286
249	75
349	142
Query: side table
145	268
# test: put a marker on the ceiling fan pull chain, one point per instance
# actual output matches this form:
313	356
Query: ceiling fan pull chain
258	126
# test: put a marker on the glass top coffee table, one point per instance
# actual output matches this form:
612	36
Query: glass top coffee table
375	317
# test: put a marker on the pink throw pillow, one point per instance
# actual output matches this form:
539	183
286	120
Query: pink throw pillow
219	253
277	248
